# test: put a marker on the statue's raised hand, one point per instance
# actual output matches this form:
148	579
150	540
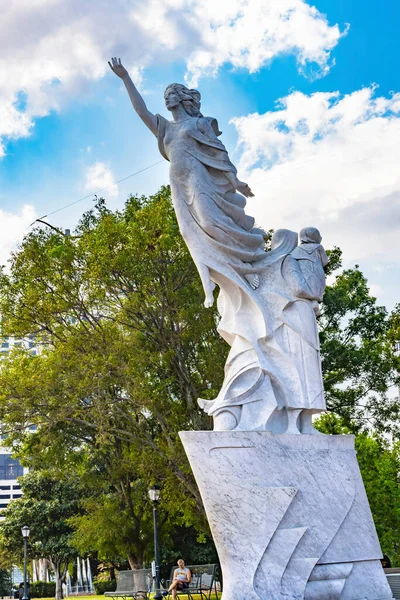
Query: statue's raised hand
118	68
137	101
244	189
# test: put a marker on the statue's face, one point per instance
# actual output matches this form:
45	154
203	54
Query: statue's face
171	98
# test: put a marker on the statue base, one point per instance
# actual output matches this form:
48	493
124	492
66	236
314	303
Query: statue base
289	515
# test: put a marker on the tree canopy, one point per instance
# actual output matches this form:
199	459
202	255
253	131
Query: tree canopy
46	504
359	360
126	348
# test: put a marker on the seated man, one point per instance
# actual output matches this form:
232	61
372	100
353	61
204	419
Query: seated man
181	580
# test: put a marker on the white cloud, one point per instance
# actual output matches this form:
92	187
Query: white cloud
332	162
249	34
12	228
98	177
51	50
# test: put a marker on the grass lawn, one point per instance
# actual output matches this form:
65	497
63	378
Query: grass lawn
93	597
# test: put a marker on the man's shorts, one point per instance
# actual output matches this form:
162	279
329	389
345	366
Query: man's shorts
183	585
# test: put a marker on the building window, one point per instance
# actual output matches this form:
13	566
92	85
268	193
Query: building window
16	496
9	467
8	487
3	506
5	496
15	487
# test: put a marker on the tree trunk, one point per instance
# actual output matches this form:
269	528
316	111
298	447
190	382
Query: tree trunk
58	578
134	562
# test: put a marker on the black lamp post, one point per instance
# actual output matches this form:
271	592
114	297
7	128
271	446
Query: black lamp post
25	535
154	494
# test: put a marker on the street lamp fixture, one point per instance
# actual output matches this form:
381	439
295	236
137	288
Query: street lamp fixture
154	495
25	534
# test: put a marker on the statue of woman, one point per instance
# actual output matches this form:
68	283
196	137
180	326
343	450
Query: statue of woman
208	197
264	300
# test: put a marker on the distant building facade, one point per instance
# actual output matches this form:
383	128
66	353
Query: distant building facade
10	468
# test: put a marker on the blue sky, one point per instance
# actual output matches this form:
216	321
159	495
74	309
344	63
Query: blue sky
327	155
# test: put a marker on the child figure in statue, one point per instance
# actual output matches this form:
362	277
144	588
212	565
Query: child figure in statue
312	259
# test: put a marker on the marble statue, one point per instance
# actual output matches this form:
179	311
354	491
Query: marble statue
287	508
313	259
273	378
208	197
267	300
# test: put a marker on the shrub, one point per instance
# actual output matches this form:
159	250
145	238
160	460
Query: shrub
42	589
104	586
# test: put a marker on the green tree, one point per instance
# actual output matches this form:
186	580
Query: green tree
127	348
380	469
116	522
5	582
46	505
359	361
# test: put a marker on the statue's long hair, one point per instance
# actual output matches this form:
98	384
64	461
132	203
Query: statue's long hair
191	99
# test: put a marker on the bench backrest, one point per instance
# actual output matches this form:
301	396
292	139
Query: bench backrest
142	580
125	581
394	582
139	580
203	576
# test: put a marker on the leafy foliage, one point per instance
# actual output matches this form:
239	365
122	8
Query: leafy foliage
105	586
359	361
42	589
126	350
5	582
46	504
380	469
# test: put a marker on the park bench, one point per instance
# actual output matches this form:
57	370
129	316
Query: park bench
203	582
133	584
393	577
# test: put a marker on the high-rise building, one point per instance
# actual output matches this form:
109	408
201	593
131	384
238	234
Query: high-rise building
8	342
10	468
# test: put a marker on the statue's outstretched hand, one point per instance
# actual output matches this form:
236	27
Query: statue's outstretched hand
118	68
138	103
244	189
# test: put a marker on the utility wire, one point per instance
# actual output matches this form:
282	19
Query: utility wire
95	193
273	177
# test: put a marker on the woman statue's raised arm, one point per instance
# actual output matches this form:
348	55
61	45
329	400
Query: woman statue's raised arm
137	101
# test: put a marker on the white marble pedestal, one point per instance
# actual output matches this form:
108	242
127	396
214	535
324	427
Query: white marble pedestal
289	516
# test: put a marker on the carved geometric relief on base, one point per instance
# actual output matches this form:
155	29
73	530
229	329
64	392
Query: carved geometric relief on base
276	505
